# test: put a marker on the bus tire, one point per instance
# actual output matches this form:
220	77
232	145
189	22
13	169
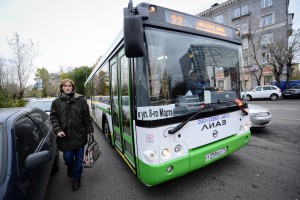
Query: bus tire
106	132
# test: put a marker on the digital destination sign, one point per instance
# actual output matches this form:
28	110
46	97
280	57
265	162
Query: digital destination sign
197	23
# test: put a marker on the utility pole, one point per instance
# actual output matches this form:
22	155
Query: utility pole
40	86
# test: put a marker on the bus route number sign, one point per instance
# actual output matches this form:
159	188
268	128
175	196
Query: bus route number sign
196	23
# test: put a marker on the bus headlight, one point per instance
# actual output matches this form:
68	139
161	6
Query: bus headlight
166	153
150	155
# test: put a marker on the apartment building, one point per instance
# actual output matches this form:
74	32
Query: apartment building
260	22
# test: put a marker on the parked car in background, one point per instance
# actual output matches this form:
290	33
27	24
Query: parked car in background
294	92
283	84
260	116
263	92
28	153
43	104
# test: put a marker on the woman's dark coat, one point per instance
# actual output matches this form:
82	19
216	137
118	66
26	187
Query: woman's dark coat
73	118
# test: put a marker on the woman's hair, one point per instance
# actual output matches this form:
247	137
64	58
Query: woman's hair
63	82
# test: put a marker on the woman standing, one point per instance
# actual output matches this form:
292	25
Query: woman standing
71	123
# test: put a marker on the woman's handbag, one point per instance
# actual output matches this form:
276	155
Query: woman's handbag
92	152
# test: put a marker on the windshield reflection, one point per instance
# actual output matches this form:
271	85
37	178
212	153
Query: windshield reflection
187	73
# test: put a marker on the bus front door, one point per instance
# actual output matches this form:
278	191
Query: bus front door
121	116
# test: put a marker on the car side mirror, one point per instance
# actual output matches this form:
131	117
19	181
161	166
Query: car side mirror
36	159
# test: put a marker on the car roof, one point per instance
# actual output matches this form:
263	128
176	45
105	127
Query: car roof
35	100
7	112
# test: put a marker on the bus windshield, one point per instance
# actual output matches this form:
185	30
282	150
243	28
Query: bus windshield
185	71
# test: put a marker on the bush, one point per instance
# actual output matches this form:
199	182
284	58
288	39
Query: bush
6	101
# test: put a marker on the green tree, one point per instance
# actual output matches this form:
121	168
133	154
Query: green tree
43	74
79	76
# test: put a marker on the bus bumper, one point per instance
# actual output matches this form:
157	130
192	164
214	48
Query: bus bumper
152	175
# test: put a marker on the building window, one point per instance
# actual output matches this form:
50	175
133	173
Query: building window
267	39
245	43
245	10
245	28
268	79
266	20
219	19
266	57
266	3
245	61
237	12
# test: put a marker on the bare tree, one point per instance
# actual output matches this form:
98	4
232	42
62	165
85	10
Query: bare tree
2	75
277	58
282	54
254	51
293	49
21	62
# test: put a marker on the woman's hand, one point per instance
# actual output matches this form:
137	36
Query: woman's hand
61	134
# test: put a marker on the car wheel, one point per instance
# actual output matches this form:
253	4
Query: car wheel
56	163
273	97
106	131
249	98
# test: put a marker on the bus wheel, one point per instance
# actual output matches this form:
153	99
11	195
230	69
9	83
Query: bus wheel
106	131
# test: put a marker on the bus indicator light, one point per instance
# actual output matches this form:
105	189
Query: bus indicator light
150	155
177	148
169	168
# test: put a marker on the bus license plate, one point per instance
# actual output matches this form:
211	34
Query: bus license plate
216	154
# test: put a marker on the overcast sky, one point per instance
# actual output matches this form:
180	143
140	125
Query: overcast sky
75	32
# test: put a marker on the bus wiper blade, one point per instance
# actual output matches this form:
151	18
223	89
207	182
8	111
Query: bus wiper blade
238	103
179	126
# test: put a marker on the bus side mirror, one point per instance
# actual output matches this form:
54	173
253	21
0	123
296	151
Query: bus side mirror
133	36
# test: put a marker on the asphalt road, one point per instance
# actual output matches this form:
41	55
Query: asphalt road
267	168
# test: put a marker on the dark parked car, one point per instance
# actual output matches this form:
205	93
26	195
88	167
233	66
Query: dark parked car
294	92
28	153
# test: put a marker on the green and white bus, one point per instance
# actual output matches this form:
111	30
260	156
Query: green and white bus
139	94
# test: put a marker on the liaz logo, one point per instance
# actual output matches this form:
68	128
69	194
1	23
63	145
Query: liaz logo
214	124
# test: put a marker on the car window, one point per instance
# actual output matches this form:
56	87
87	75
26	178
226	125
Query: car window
42	120
258	88
296	87
267	88
27	136
43	105
274	88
